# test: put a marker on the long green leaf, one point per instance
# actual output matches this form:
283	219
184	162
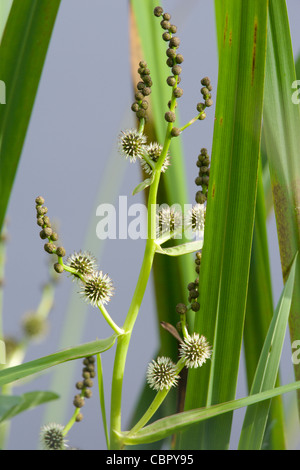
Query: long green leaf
22	54
167	426
267	369
28	368
11	406
230	214
282	140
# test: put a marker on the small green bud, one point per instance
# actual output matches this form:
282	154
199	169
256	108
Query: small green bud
40	221
58	268
146	91
88	383
135	107
47	231
144	104
200	197
167	16
78	401
47	221
60	251
88	393
139	96
178	92
170	116
179	58
200	107
171	81
174	42
181	309
79	417
54	236
195	306
40	200
176	69
202	116
79	385
166	36
170	62
173	29
165	24
158	11
171	53
49	247
175	132
205	81
208	102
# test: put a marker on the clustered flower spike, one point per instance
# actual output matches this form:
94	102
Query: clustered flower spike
85	385
153	151
140	105
202	179
173	61
206	93
48	233
195	350
132	144
52	437
97	289
161	374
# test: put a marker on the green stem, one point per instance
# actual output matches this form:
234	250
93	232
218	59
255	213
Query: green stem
192	121
124	340
109	320
157	401
71	422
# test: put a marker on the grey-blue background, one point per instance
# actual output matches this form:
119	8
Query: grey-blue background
70	157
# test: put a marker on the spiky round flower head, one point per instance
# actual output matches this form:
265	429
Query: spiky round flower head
84	263
195	218
169	219
132	144
52	437
195	350
97	288
154	150
162	374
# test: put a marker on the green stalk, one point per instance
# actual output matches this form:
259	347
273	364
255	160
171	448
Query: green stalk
124	339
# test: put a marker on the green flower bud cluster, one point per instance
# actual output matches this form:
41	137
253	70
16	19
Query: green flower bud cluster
173	61
202	179
143	90
85	385
206	93
48	233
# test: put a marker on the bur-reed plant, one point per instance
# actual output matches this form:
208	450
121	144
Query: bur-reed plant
207	326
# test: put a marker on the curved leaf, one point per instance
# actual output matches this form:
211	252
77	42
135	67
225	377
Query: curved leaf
28	368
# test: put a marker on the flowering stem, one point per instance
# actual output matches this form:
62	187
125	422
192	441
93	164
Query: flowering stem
109	320
123	340
191	121
71	422
157	401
